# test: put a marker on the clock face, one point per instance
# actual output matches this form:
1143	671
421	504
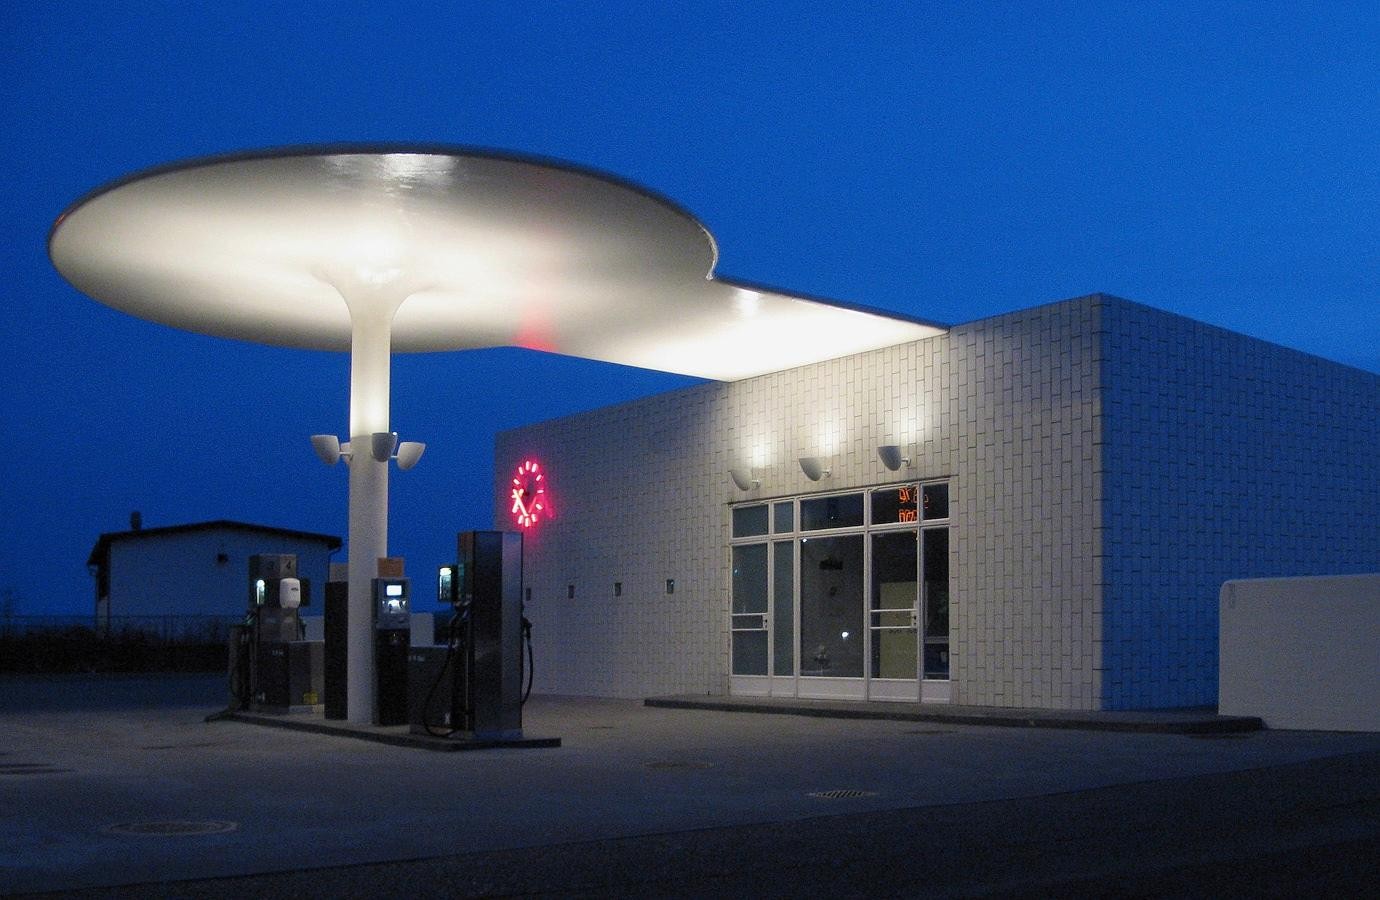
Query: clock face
529	494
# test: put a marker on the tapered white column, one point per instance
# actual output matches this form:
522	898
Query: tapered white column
370	380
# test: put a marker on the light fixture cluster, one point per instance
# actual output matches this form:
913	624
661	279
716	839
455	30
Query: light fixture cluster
383	446
816	468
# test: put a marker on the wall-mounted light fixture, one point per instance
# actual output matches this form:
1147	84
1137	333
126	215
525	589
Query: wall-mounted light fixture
813	468
384	446
329	448
743	480
892	458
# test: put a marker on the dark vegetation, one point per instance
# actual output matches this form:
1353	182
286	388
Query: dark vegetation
76	648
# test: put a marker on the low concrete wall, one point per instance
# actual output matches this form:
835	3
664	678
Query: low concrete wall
1302	652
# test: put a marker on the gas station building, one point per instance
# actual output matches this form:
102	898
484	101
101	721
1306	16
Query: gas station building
1032	510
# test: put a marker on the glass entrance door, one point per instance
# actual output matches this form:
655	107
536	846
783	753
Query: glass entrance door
843	595
894	617
831	616
750	623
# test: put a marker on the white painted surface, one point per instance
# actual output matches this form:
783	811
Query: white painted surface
201	572
1302	652
1109	466
422	629
496	251
1003	409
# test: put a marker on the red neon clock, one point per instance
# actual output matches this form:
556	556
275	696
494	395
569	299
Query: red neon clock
529	494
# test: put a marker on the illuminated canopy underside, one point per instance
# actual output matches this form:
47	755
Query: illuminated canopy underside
495	250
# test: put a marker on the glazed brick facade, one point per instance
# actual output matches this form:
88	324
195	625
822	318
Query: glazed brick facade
1109	466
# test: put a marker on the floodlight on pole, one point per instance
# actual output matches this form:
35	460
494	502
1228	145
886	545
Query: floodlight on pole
329	448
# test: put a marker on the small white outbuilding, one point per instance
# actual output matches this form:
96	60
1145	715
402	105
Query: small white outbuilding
178	576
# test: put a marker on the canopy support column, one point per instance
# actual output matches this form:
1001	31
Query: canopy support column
370	381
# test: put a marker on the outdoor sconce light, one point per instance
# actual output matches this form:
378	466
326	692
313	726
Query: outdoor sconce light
329	448
813	468
383	447
384	443
743	480
409	452
892	458
386	447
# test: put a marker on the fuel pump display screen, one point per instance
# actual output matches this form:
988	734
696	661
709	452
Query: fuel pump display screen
390	603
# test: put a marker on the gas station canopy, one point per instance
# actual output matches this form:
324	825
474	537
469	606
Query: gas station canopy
491	250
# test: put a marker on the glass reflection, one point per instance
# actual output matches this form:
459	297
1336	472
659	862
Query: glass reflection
831	606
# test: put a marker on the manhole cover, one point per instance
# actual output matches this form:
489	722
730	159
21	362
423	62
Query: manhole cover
172	828
30	769
1222	736
665	765
927	731
601	728
840	795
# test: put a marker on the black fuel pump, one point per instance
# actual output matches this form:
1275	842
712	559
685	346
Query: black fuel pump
475	689
392	617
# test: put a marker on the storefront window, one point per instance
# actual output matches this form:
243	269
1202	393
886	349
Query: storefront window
804	605
749	521
936	501
936	602
783	517
840	511
783	608
896	505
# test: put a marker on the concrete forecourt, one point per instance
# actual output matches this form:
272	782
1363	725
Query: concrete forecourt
118	781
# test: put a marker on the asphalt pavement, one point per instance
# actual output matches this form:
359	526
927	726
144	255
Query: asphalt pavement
117	787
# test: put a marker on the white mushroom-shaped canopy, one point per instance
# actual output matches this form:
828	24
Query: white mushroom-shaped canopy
493	250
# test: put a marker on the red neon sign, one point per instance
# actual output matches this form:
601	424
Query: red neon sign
528	494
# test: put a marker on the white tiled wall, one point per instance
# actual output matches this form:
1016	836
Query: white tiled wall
1226	457
1004	408
1092	446
1023	407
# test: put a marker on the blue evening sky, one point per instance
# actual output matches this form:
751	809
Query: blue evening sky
948	161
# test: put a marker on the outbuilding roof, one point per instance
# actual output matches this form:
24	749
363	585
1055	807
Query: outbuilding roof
100	554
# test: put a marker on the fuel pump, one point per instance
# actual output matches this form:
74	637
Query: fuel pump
475	690
284	671
392	638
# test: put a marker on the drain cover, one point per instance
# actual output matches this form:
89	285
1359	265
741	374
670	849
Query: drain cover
840	795
927	731
30	769
172	828
601	728
678	764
